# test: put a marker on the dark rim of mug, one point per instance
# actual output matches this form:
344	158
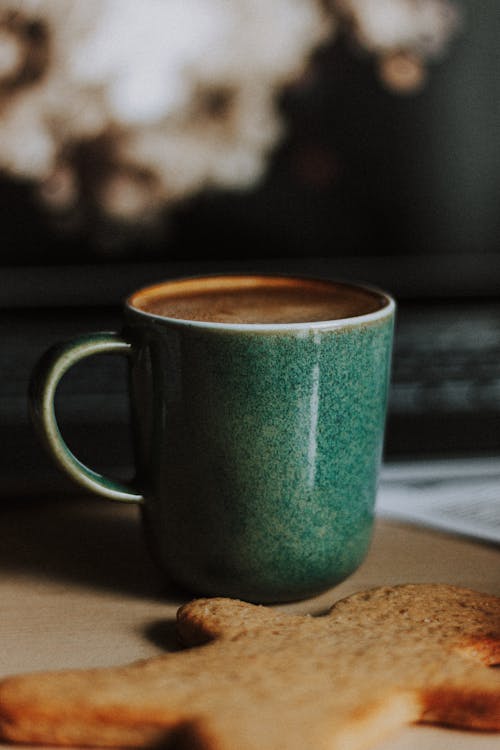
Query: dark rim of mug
221	279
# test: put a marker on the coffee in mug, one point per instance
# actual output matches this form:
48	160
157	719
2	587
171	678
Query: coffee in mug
258	405
258	301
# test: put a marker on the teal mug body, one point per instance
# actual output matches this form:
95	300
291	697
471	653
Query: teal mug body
257	446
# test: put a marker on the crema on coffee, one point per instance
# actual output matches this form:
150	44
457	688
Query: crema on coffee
257	300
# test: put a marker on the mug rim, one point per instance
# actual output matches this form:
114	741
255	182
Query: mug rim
355	320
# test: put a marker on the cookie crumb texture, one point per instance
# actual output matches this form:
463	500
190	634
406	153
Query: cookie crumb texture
255	678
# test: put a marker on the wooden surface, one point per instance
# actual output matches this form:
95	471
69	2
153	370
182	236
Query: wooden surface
77	589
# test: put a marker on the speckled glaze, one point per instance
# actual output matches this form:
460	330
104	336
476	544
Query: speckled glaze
258	450
257	446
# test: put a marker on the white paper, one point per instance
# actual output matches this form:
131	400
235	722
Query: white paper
456	496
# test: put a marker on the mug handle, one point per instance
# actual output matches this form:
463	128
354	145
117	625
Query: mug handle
44	381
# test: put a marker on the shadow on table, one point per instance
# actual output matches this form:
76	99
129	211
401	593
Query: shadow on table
89	542
163	633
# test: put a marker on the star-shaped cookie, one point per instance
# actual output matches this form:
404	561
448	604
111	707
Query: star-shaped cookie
258	679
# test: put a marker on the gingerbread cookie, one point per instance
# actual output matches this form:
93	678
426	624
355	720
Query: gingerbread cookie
258	679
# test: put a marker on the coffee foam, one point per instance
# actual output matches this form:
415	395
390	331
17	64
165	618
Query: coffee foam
257	300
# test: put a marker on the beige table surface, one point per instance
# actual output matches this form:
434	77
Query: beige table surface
77	589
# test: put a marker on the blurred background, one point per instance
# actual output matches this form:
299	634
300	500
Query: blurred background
351	139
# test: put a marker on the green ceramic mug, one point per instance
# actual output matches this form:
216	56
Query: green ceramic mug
258	408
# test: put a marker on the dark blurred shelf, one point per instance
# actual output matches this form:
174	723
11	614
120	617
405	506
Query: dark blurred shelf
108	284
